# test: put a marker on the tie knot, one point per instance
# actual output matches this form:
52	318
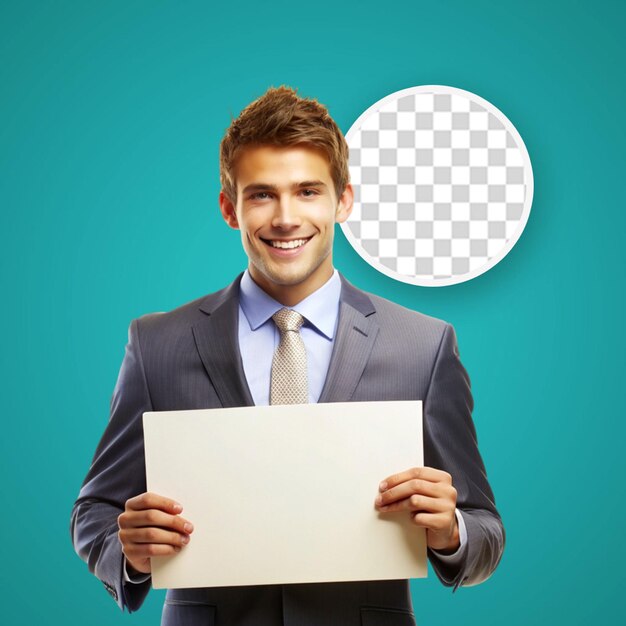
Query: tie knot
288	319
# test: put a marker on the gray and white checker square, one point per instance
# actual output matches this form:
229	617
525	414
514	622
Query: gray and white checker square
443	185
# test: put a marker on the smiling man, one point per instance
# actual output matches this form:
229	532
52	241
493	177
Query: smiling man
286	207
290	329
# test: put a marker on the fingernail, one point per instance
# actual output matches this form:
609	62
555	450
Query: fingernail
379	499
184	540
178	507
188	527
176	548
383	485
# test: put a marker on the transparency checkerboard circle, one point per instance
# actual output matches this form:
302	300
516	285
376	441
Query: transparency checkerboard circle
443	185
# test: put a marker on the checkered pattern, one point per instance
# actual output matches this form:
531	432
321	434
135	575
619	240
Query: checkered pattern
440	185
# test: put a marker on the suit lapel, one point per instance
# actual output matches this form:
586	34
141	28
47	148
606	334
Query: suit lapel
356	333
216	338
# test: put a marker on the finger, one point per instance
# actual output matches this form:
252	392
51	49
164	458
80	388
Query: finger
139	551
152	535
154	517
436	522
150	500
423	473
415	503
408	488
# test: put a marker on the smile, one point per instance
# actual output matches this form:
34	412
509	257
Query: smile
286	245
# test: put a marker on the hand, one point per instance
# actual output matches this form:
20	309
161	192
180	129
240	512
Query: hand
150	526
429	496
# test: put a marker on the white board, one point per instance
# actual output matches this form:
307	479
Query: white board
285	494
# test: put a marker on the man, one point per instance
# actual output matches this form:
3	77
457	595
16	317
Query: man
285	184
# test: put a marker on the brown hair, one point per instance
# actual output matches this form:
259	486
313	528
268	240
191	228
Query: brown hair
282	118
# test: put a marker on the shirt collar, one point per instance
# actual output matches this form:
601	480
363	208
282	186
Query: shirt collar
320	309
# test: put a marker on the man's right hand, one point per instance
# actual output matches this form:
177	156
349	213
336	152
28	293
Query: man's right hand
151	526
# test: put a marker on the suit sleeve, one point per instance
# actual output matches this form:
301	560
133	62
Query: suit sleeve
117	473
450	444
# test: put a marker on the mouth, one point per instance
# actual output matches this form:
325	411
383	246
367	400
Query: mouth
286	244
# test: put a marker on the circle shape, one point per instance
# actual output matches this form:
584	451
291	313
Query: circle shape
443	185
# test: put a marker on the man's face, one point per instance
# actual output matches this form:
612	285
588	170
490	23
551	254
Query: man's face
286	211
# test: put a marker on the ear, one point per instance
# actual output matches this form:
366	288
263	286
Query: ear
344	208
228	211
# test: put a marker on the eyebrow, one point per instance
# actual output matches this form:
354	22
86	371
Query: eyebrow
266	187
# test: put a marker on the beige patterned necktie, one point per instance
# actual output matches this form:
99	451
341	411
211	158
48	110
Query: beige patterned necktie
289	371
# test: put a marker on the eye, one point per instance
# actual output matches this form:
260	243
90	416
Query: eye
259	195
309	193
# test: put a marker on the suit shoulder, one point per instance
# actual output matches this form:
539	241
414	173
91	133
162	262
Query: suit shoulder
391	312
412	337
168	323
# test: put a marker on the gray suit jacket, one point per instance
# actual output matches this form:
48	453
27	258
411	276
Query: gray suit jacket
189	359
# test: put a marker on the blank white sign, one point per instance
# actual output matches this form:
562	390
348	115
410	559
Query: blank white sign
285	494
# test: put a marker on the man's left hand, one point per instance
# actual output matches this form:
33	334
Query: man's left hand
430	498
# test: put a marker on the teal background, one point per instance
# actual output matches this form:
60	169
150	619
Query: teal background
111	117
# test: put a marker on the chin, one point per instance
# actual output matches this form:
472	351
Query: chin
285	277
286	280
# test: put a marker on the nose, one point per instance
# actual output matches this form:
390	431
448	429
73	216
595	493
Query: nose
286	215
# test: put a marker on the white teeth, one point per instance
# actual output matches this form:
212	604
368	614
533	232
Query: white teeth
296	243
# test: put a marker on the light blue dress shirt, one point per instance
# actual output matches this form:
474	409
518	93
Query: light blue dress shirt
259	337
